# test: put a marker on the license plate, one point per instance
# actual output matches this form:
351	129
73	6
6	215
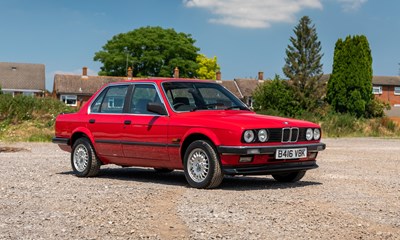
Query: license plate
291	153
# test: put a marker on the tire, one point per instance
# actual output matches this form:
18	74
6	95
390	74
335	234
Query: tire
84	161
289	177
201	165
163	170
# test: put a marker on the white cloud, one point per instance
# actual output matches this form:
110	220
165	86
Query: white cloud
351	5
253	13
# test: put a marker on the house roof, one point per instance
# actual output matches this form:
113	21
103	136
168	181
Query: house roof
22	76
232	87
247	86
386	80
81	85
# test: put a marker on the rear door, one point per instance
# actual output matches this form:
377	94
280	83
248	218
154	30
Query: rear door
106	120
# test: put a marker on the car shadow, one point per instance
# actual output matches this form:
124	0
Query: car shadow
177	178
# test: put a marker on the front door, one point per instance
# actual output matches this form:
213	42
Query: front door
145	133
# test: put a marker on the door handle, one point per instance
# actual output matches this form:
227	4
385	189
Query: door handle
127	122
92	120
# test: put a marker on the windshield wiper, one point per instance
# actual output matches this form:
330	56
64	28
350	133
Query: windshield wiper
205	106
236	106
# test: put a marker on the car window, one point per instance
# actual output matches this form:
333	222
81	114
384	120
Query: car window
215	96
142	95
111	100
187	96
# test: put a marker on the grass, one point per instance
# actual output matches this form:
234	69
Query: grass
28	119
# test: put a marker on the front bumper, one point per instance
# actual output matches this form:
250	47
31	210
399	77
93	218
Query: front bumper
252	150
271	165
270	168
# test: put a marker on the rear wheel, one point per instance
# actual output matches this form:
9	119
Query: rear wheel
289	177
83	159
201	165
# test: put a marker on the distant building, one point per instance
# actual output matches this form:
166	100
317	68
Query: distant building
387	89
243	88
22	78
75	90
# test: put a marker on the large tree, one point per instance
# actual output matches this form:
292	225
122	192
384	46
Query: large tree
350	85
207	67
151	51
303	63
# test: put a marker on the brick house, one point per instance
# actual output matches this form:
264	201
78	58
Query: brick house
387	88
22	78
75	90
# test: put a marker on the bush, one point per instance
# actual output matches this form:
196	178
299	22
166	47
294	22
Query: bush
22	108
278	96
376	108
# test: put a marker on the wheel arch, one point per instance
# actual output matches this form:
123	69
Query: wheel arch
198	134
79	133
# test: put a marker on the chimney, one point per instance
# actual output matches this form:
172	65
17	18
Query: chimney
260	75
84	72
130	73
176	72
218	75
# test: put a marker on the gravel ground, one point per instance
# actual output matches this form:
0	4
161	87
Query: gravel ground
355	194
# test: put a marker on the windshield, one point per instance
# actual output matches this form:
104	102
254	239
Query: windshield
192	96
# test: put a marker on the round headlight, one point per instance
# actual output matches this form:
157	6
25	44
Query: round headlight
248	136
309	134
317	134
262	135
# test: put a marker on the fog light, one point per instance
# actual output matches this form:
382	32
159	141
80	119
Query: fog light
312	155
245	159
253	151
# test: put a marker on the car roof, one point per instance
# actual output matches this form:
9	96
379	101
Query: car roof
160	80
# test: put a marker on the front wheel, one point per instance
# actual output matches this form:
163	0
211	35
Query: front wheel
83	159
201	165
289	177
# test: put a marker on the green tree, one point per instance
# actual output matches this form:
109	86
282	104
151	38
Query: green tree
303	63
151	51
207	67
277	95
350	85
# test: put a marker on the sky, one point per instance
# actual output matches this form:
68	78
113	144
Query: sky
246	36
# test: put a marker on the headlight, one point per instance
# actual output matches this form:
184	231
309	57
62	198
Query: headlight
309	134
317	134
248	136
262	135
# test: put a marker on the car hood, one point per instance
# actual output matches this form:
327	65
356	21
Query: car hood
241	119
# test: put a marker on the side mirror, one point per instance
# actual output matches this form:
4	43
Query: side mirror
156	108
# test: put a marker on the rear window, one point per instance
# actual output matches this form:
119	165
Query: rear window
111	100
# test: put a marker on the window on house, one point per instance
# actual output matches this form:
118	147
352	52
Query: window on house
69	100
30	94
377	89
396	90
